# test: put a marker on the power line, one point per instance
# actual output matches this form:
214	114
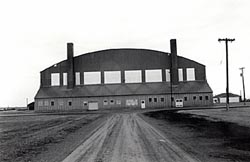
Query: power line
242	75
226	40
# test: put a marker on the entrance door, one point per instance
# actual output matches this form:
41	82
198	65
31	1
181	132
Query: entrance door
93	105
178	103
143	104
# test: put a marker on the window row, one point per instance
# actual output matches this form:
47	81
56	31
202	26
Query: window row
113	77
162	99
52	103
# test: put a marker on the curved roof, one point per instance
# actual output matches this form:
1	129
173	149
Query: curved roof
123	58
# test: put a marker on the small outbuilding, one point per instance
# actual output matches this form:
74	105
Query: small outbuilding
221	98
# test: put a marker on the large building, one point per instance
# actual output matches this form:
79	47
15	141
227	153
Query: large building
123	78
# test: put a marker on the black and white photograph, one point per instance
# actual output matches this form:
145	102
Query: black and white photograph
125	81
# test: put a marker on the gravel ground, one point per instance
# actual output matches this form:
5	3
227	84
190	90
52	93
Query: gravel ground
22	138
239	116
208	137
197	135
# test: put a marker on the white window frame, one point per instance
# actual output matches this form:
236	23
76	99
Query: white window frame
190	74
151	75
180	75
55	79
96	76
112	77
77	78
133	76
65	79
168	76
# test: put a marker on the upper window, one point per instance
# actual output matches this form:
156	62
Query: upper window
180	73
65	79
167	75
55	79
111	77
40	103
77	78
133	76
190	74
92	77
153	75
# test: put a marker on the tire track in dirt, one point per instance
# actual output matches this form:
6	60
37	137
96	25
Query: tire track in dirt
127	137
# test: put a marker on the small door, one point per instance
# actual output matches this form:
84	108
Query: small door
179	103
143	104
93	105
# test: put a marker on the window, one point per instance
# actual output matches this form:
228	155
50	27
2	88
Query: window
40	103
200	97
111	77
55	79
133	76
172	98
85	103
150	100
105	102
167	75
118	102
60	102
153	75
65	79
70	103
77	78
190	74
155	99
206	97
194	97
131	102
180	74
112	102
46	103
162	99
185	98
92	78
52	103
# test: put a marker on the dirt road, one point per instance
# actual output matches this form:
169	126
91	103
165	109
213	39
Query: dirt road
127	137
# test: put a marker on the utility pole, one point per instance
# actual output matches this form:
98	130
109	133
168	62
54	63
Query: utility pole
171	85
226	40
242	75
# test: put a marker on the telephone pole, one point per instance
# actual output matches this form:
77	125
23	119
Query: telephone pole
226	40
242	75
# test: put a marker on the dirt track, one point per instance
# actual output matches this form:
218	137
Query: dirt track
127	137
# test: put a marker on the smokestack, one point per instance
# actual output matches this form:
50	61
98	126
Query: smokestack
174	66
70	61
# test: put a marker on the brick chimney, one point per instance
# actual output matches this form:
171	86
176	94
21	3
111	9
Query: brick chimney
174	66
70	61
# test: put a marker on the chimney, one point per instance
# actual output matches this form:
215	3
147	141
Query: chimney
70	61
174	66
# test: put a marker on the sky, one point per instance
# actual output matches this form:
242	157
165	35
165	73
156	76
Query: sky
34	35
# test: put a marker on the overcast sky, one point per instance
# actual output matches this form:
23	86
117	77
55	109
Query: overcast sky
34	34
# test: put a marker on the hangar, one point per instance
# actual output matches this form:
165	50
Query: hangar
123	78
